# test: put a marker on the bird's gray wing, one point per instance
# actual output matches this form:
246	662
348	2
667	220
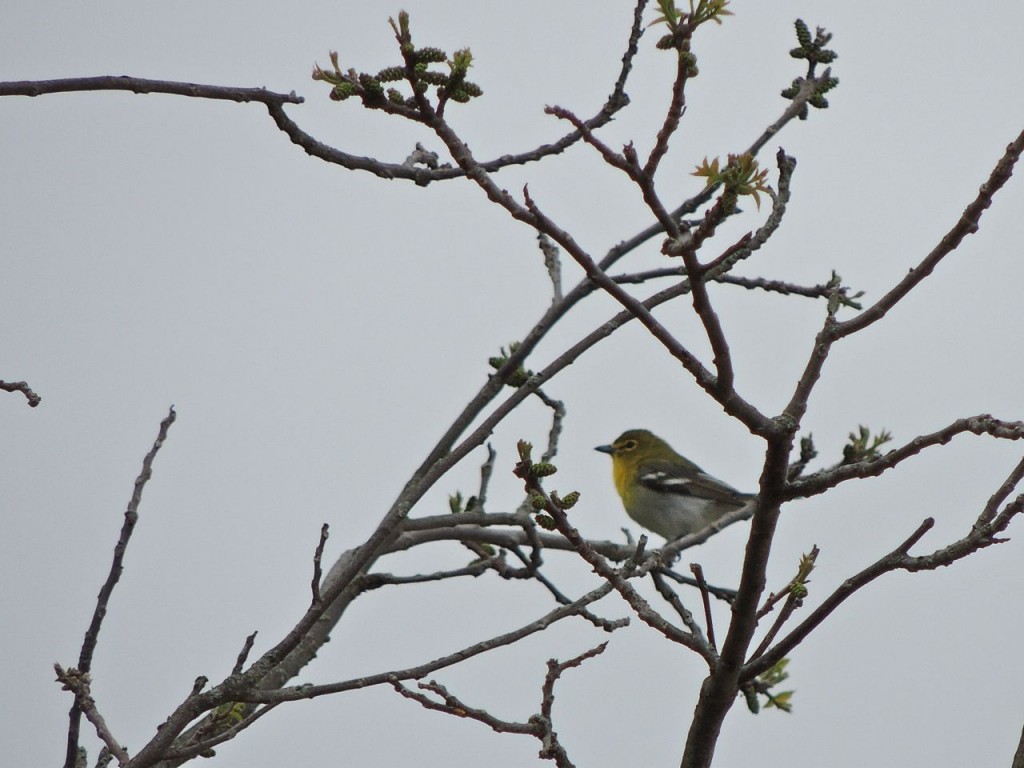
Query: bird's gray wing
668	477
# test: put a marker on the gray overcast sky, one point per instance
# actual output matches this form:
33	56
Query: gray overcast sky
316	329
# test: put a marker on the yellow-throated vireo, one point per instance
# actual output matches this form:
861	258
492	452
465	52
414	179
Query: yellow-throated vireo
663	491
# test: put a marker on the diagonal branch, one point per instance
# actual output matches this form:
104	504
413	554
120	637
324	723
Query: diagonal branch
78	683
981	535
966	225
983	424
131	516
420	671
1018	756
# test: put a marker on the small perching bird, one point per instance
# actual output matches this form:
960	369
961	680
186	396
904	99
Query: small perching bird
663	491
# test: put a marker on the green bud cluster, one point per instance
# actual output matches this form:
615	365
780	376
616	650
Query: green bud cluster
546	522
415	72
519	376
543	469
813	50
569	500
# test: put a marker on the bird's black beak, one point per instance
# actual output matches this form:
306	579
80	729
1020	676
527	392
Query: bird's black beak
605	449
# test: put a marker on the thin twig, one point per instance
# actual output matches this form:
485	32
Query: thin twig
795	107
990	510
966	225
452	705
677	604
203	745
800	579
78	682
894	560
747	245
418	672
243	654
673	116
616	101
23	387
720	593
557	417
373	581
982	424
486	471
552	748
131	516
618	579
317	563
698	574
144	85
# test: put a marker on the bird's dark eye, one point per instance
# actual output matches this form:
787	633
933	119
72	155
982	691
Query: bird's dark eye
629	445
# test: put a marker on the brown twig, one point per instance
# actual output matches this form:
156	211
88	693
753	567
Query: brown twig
674	600
540	726
991	509
698	574
966	225
676	108
804	569
243	655
78	682
144	85
720	593
452	705
896	559
832	330
982	424
636	566
420	671
373	581
131	516
317	563
552	748
794	592
23	387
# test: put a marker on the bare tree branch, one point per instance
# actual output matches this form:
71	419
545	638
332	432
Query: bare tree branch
552	748
676	108
677	605
452	705
243	655
966	225
698	574
889	562
23	387
232	705
317	559
376	580
144	85
202	745
418	672
78	682
619	579
1018	756
982	424
131	516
